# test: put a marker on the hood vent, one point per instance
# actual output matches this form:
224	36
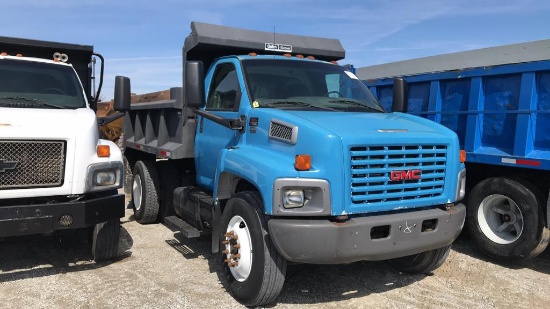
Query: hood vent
282	131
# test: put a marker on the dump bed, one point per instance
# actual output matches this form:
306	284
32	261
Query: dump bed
500	110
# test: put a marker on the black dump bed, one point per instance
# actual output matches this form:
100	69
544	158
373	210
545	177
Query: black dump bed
207	42
79	55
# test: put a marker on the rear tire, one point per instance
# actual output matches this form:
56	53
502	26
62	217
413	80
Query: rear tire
105	240
505	219
145	192
258	276
421	263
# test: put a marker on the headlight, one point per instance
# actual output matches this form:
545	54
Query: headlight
293	198
301	197
105	178
461	185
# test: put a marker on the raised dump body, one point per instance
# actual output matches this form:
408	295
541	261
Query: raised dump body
500	110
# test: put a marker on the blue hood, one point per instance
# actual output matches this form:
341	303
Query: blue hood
369	125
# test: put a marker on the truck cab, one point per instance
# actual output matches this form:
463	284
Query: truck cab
282	155
55	172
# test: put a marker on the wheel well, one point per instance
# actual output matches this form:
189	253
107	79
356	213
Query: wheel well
230	184
476	172
133	156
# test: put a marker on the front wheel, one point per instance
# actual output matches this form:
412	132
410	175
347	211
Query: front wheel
505	219
105	240
253	269
421	263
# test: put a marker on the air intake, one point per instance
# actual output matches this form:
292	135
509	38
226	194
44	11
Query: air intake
283	131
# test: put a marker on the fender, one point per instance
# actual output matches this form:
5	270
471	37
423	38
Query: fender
255	165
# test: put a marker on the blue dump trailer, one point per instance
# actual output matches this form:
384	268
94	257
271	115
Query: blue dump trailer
497	100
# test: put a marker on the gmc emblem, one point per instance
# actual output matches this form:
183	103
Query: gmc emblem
405	175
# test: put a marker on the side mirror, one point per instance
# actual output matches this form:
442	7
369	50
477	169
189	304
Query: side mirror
193	80
122	94
400	98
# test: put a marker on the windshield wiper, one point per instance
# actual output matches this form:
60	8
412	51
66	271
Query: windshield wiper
295	103
356	104
34	102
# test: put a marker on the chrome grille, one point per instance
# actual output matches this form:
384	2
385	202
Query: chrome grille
372	167
37	164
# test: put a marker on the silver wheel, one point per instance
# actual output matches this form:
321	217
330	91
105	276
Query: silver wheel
137	192
238	248
500	219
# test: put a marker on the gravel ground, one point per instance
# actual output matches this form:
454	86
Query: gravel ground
160	269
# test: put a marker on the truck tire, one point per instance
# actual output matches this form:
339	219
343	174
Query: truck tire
505	218
421	263
169	180
145	192
105	239
253	279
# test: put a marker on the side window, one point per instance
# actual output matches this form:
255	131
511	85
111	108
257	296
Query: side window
224	90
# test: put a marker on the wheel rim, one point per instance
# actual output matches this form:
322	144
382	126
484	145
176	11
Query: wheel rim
500	219
238	248
137	192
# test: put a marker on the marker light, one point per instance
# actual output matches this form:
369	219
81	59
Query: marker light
310	57
103	151
19	55
3	54
287	55
462	156
299	56
302	162
252	54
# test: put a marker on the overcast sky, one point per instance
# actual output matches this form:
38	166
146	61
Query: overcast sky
143	39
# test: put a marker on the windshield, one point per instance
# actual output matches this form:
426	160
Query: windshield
28	84
306	85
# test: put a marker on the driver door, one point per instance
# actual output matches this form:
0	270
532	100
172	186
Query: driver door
224	95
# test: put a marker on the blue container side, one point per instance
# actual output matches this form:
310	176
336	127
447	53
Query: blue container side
542	134
499	113
501	94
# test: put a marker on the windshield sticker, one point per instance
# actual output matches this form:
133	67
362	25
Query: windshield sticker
278	47
351	75
255	104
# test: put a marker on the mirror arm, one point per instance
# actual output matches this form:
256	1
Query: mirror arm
233	124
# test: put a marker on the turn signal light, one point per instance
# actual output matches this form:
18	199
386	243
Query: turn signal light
103	151
302	162
462	156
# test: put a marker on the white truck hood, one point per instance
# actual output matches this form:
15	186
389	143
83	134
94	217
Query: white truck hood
77	128
47	124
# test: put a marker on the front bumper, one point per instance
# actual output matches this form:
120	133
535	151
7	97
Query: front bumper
45	218
317	241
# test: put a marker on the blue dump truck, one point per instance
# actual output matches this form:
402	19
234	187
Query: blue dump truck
498	102
281	155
